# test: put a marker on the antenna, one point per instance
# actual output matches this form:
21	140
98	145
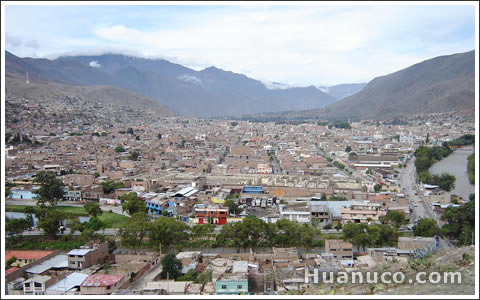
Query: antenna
27	81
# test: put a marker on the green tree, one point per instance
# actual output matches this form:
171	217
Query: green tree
15	227
95	224
460	222
159	136
348	149
166	232
132	204
395	217
426	228
10	262
377	187
51	189
93	209
111	186
50	222
232	207
171	266
204	234
133	232
119	149
134	155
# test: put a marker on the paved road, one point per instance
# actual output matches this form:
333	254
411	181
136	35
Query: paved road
420	209
140	283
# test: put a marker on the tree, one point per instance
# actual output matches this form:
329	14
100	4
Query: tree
171	266
130	130
51	221
132	204
111	186
51	188
134	230
166	232
119	149
159	136
95	224
10	262
348	149
426	228
204	234
15	227
395	217
460	222
234	123
232	207
134	155
93	209
377	187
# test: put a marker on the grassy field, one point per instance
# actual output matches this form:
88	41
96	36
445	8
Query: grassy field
112	220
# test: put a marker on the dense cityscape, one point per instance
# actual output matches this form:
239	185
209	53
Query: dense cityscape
108	190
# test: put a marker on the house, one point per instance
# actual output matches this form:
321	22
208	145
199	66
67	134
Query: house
363	213
339	249
87	255
232	284
37	285
211	215
25	257
70	285
101	284
169	286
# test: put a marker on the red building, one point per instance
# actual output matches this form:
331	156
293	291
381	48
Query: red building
211	215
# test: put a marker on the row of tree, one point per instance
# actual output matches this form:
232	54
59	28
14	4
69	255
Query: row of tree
425	158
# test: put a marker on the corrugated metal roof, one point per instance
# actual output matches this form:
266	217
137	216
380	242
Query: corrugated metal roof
59	261
69	282
79	251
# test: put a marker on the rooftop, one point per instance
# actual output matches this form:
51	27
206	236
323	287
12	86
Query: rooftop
101	280
26	254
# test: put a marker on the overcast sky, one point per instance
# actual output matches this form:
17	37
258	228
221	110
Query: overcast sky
293	44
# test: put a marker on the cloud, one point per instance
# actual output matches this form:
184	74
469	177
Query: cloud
298	45
94	64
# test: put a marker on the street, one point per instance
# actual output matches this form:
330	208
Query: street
416	203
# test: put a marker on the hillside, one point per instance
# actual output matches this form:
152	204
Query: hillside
440	84
16	87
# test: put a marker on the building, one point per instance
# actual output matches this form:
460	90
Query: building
252	190
87	255
70	285
101	284
25	257
71	195
211	215
363	213
37	285
339	249
232	284
417	242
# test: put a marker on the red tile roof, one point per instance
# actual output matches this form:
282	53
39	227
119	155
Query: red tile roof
101	280
11	270
26	254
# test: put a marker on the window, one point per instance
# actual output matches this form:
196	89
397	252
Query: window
38	284
239	286
224	287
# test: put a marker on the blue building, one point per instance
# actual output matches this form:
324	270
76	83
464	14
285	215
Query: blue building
252	190
22	194
232	284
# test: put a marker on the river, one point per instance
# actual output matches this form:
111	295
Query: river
20	215
456	164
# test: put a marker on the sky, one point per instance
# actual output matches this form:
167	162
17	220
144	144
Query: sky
295	44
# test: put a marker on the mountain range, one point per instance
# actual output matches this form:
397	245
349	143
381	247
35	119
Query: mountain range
211	92
440	84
